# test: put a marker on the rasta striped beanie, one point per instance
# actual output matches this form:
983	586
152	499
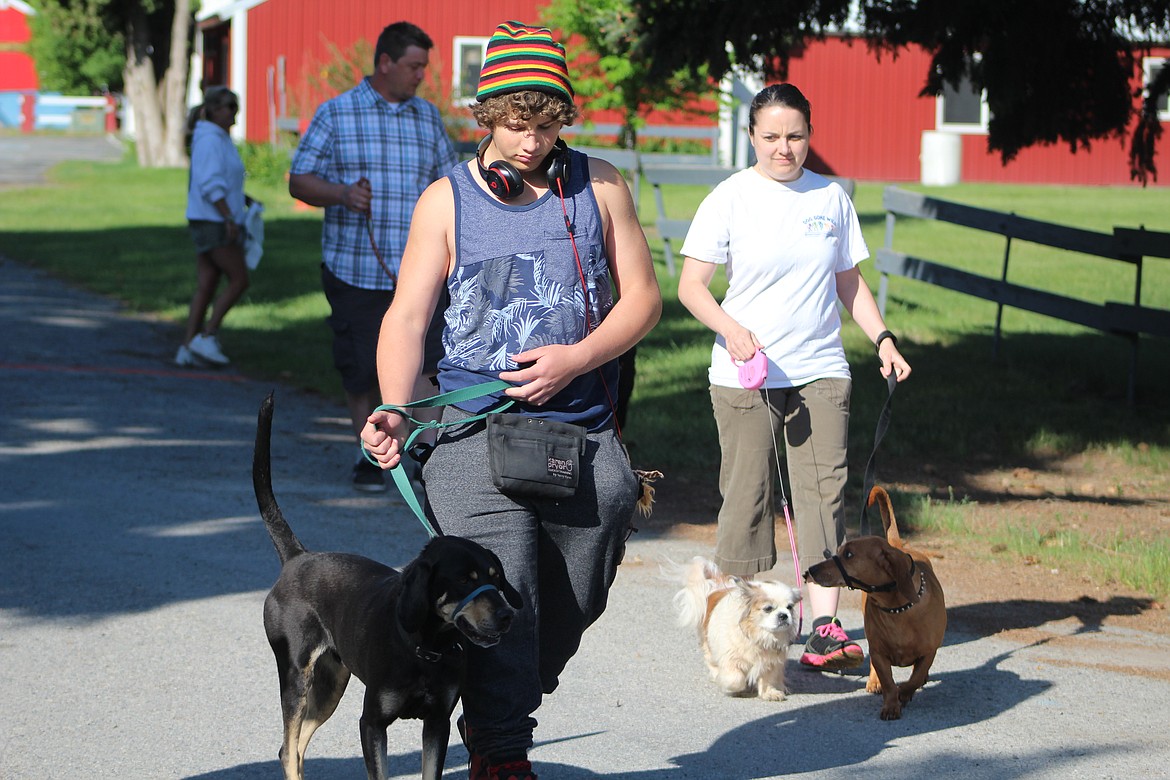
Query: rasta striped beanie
521	58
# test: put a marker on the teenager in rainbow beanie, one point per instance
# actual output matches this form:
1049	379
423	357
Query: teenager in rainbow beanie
532	240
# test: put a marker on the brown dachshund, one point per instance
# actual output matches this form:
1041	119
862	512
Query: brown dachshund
905	613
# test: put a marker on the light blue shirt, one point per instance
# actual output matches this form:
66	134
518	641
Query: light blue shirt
216	172
400	148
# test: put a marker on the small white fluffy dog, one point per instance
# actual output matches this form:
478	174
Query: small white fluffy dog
744	627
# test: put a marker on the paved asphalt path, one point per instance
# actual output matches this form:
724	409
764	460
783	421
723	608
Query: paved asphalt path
133	566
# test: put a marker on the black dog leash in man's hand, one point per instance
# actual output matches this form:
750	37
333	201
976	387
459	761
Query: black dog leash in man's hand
883	424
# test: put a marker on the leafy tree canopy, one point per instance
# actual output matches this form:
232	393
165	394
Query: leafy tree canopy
75	47
1054	71
139	47
605	70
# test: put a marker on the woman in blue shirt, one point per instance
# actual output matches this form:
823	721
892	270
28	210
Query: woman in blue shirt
215	213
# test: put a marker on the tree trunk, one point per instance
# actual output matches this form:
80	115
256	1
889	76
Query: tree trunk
628	135
160	136
142	89
176	87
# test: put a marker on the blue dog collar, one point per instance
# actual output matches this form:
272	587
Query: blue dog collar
471	597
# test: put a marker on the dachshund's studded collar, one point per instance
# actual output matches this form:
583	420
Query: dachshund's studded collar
904	607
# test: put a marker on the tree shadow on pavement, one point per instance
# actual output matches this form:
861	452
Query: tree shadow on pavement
972	621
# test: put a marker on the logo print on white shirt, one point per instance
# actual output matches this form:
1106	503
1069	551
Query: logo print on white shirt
818	226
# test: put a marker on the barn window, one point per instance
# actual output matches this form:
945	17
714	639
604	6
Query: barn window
468	59
1152	67
961	109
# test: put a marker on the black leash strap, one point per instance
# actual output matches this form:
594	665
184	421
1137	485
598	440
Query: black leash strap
883	424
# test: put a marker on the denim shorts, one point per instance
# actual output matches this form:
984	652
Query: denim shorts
208	234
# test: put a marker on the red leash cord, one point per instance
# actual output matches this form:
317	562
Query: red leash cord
378	252
373	243
585	292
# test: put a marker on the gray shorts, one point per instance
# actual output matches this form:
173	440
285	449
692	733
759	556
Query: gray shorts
208	234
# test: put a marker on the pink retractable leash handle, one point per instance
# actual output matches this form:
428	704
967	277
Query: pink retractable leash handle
753	371
752	375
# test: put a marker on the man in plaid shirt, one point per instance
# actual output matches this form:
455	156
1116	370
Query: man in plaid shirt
366	157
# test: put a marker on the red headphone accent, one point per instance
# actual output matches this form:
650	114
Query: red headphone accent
505	181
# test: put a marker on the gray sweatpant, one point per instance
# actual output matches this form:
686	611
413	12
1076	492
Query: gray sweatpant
560	555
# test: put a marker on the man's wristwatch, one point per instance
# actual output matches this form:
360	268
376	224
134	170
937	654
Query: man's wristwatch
885	334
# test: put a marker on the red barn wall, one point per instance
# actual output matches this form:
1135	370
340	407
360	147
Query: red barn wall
868	118
17	71
868	122
298	29
13	26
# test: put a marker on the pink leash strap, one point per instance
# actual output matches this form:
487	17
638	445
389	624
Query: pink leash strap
752	375
795	554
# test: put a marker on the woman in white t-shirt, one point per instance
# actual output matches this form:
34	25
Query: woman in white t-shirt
790	242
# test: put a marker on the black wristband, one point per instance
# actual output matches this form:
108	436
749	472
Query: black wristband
885	334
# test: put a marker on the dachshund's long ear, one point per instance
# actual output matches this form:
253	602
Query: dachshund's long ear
414	602
899	566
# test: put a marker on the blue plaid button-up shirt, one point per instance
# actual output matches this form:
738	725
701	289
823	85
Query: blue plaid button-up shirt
400	147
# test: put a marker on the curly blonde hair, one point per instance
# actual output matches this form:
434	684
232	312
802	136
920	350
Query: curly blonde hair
525	105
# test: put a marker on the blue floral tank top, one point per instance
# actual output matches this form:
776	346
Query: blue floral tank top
516	286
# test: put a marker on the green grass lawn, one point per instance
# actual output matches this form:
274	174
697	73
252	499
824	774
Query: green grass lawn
119	230
1055	384
1055	389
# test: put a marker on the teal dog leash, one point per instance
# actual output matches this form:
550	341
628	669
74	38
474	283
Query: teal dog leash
442	399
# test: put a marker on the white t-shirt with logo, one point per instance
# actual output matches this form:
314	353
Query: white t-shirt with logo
783	244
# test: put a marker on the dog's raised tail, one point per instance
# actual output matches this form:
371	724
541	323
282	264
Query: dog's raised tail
286	542
880	497
698	581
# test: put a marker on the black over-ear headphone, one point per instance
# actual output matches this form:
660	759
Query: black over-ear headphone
505	181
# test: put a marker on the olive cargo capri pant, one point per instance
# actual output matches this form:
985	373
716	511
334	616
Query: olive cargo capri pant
812	421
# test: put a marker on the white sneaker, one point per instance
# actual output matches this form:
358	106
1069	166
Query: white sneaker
207	348
184	358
